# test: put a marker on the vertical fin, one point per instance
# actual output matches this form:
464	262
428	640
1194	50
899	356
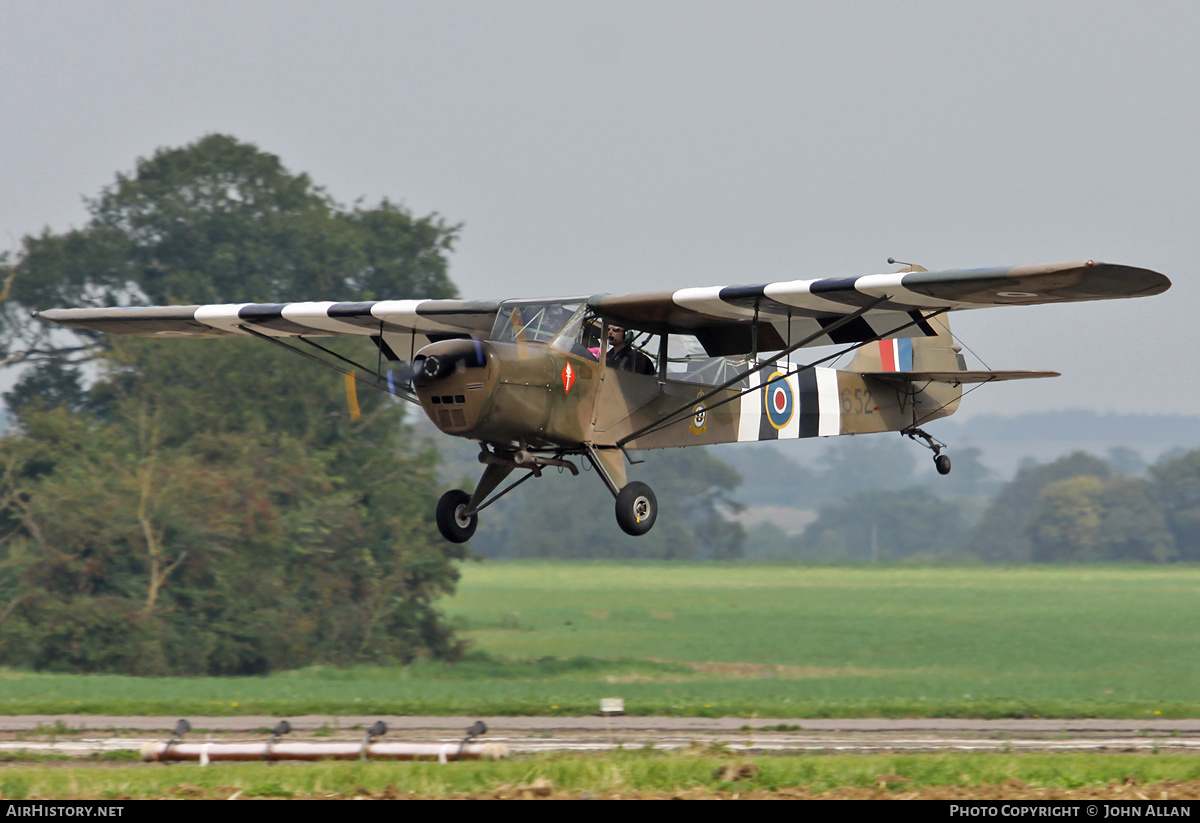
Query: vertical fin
935	352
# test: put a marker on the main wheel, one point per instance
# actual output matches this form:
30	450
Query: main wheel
942	463
452	520
637	508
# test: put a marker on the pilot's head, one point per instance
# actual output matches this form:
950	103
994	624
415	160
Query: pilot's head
616	335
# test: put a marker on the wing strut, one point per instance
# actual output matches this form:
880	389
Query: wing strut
356	370
685	411
674	417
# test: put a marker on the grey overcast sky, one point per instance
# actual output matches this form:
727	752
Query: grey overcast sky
624	146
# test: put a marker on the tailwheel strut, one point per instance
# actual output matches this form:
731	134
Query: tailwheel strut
940	461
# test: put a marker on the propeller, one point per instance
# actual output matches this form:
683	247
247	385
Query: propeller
433	366
403	375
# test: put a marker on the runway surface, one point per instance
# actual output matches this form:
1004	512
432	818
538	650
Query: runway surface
83	734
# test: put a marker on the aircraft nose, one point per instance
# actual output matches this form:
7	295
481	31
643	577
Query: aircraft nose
436	366
445	360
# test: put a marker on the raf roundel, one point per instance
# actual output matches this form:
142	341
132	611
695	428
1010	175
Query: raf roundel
780	402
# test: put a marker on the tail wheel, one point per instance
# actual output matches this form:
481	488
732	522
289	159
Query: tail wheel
452	520
637	508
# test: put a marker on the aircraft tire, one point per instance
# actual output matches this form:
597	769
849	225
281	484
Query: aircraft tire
942	463
637	508
454	526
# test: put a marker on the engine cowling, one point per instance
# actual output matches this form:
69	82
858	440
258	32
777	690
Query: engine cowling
490	391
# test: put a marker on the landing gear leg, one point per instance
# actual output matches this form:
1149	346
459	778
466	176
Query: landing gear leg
940	461
458	512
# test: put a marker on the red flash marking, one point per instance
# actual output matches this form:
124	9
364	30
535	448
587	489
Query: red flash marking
568	376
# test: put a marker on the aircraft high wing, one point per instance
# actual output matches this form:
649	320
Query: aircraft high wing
536	382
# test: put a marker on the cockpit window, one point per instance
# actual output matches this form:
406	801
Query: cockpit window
687	362
533	322
581	335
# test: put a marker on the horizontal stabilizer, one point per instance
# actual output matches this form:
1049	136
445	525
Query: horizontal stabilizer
956	377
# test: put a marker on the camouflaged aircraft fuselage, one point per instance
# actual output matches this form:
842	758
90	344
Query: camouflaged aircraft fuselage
503	392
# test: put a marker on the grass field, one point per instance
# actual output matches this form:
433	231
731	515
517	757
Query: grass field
626	773
1048	638
746	640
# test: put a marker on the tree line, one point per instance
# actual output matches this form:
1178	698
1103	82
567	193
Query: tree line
1079	508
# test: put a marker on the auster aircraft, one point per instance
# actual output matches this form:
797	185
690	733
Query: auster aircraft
535	382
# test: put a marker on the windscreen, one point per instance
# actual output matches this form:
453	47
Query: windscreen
532	322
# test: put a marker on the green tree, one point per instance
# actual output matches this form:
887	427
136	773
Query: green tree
883	526
1125	461
1002	535
210	506
1088	519
970	477
53	382
771	478
850	465
1135	524
219	221
1176	486
1066	524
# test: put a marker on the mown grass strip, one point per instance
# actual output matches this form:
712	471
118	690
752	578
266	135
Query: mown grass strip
619	772
573	706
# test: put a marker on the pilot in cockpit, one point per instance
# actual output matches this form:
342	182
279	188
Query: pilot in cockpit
623	355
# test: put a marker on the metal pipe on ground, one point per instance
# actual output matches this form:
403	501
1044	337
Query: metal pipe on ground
206	752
